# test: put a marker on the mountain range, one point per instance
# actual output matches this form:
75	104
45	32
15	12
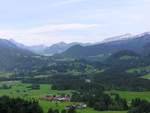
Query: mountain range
13	54
139	44
61	47
56	48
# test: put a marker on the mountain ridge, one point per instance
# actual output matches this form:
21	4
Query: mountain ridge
135	43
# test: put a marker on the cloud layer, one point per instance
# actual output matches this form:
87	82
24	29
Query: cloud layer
49	21
46	34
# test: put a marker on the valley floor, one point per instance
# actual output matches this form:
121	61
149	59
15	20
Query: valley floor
24	91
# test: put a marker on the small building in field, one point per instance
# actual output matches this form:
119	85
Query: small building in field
77	106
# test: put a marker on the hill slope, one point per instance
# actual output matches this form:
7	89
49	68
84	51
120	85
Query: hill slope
11	55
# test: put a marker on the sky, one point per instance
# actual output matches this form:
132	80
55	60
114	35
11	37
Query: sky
34	22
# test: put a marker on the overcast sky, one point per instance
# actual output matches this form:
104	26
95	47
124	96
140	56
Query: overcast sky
35	22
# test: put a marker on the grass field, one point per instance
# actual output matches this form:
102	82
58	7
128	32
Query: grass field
19	89
139	70
92	111
22	90
2	74
129	95
146	76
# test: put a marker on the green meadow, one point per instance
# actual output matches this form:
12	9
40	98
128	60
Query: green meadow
139	69
24	91
146	76
6	75
129	95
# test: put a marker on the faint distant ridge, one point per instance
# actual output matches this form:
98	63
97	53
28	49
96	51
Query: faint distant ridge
57	48
61	47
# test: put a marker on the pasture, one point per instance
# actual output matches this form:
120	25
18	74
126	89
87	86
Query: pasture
24	91
129	95
6	75
146	76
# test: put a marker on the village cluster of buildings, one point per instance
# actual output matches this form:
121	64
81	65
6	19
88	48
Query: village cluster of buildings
64	99
56	98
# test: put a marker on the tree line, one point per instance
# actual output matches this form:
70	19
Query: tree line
12	105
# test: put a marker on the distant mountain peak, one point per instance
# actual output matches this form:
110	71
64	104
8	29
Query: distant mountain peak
143	34
61	43
120	37
126	37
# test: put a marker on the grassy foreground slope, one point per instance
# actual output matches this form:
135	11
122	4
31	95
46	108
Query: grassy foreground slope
22	90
